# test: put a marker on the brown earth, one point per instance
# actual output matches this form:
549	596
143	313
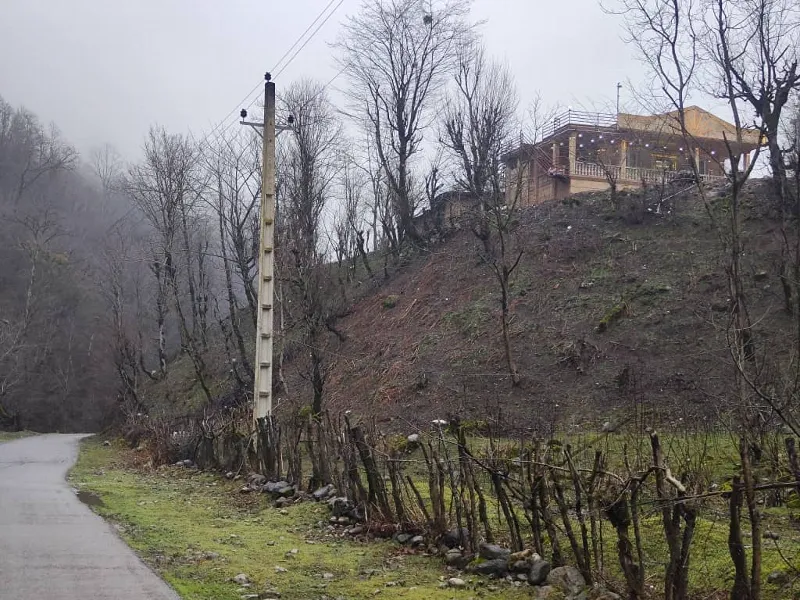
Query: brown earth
615	313
427	345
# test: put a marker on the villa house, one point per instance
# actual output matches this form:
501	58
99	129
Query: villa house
582	151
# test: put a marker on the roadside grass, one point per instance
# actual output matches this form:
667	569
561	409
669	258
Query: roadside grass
175	517
10	436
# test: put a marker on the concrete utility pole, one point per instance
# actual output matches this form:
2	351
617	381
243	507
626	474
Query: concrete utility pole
262	393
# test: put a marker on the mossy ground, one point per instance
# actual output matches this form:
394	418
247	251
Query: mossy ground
8	436
172	517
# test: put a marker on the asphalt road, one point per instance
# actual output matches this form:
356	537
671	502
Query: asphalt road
52	545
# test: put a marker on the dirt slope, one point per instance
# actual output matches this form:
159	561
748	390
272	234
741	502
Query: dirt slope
612	311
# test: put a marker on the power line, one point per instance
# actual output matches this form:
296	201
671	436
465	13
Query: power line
216	132
311	37
302	35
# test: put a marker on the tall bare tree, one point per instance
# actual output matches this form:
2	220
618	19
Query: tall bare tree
165	189
311	165
397	54
478	123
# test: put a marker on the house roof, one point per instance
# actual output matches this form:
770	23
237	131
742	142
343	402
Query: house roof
700	124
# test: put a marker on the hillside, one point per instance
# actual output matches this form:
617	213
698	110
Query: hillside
615	312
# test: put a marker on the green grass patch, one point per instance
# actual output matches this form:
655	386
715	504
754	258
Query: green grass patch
9	436
177	518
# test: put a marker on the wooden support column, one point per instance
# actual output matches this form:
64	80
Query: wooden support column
573	151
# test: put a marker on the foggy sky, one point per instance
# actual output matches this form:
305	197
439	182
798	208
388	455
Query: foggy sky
105	70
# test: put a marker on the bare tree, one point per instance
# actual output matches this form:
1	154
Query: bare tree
311	165
164	188
397	54
478	123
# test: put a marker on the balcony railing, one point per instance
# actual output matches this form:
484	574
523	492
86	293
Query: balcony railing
574	118
632	174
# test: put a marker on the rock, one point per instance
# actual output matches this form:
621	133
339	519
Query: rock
771	535
496	567
241	579
413	438
256	479
456	582
106	443
568	579
493	551
343	520
286	491
339	506
608	427
230	475
188	463
417	540
452	538
211	555
274	487
355	530
323	492
327	576
521	555
455	558
245	490
522	577
281	570
547	592
778	578
282	502
403	538
601	593
520	566
538	572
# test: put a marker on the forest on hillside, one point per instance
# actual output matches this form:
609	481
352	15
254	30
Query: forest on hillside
129	285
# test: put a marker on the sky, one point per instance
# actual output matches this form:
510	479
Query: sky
106	70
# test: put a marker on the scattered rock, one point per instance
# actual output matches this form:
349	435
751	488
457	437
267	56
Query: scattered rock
521	555
281	570
452	538
417	540
568	579
327	576
106	443
256	479
608	427
211	555
324	492
777	578
403	538
287	491
539	571
339	506
413	438
282	502
230	475
274	487
245	490
241	579
601	593
493	551
520	566
496	567
355	530
547	592
522	577
456	582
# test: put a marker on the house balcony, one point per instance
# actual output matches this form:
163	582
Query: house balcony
634	175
